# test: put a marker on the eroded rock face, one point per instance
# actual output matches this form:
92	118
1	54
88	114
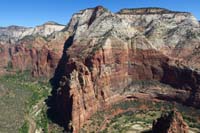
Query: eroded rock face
35	53
171	122
13	34
109	52
36	49
43	55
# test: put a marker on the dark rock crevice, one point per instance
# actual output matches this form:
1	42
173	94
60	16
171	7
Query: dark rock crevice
60	102
171	122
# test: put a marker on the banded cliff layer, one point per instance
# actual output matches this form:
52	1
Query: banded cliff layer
107	53
35	49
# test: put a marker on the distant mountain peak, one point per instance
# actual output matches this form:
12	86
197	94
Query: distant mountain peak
15	27
51	23
15	33
147	10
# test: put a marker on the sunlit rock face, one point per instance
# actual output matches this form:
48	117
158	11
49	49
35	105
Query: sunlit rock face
36	49
108	52
12	34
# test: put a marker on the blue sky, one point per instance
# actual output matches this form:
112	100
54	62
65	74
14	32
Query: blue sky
36	12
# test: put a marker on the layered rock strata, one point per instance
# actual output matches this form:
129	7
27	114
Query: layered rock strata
35	49
108	53
12	34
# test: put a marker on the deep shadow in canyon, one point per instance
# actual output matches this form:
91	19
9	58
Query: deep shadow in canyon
55	111
184	79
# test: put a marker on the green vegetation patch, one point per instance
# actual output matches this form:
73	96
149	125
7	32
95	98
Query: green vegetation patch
137	116
24	128
20	93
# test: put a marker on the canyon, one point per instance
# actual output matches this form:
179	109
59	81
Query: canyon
101	58
115	50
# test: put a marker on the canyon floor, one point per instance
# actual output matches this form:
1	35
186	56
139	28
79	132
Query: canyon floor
137	116
23	108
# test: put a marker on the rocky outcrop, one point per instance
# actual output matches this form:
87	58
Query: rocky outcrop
170	32
36	49
117	50
171	122
143	11
13	34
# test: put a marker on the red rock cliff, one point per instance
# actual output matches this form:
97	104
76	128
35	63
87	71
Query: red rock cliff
109	52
